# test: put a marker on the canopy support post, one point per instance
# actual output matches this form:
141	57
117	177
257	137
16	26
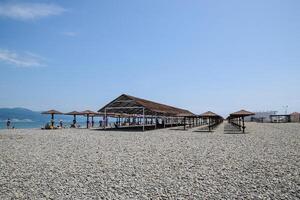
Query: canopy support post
243	124
104	118
52	120
143	119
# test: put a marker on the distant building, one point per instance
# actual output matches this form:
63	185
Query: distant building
280	118
295	117
261	116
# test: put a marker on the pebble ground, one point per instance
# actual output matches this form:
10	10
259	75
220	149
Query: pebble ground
264	163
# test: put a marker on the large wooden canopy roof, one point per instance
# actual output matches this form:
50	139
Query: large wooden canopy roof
134	105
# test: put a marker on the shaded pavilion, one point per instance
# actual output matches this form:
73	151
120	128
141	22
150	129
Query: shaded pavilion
240	117
213	119
74	113
52	113
143	112
88	113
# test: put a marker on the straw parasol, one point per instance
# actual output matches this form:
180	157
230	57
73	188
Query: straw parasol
88	113
52	113
209	115
74	113
242	113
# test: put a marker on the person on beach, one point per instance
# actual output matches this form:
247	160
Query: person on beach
61	123
8	123
52	123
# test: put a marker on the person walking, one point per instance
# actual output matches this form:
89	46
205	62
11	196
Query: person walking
61	123
8	123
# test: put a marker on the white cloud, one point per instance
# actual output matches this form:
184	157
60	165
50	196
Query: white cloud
70	33
20	60
29	11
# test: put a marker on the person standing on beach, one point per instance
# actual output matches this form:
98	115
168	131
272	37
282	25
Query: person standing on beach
8	123
61	123
52	123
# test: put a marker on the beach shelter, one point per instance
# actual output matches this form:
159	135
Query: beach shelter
52	113
210	115
143	109
240	115
74	113
88	113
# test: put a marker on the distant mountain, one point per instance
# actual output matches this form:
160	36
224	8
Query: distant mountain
26	115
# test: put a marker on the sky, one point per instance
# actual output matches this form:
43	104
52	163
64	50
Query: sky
199	55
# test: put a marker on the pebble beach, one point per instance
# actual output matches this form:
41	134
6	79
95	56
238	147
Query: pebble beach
168	163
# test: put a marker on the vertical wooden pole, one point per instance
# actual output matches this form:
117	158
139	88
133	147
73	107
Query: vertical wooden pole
243	124
87	121
105	118
155	121
52	120
143	119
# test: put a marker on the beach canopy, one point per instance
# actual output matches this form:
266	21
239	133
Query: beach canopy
134	105
242	113
209	114
73	113
88	112
52	112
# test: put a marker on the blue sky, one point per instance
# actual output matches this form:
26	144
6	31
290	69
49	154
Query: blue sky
199	55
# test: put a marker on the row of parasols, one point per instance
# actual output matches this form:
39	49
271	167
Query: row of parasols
87	113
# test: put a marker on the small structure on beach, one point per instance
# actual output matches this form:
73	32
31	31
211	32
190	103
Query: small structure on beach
88	114
295	117
280	118
211	119
52	113
238	119
74	113
136	112
262	116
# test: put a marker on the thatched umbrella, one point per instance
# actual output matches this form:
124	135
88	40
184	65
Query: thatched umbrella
88	113
74	113
241	114
52	113
209	115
